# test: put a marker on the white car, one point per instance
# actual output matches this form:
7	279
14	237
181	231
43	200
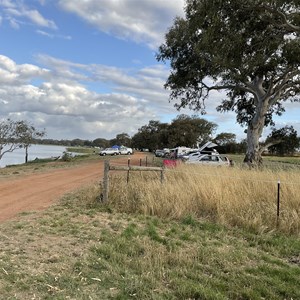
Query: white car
109	151
125	150
208	159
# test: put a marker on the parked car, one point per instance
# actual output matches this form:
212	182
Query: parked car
208	159
125	150
160	153
109	151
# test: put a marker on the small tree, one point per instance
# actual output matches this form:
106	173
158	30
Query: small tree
226	142
17	134
27	135
286	141
8	137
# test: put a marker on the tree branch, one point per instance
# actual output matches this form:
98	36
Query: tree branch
286	24
265	146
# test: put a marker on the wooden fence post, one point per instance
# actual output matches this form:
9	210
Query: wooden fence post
162	175
106	181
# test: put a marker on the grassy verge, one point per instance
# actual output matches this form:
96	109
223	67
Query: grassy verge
229	196
81	249
271	162
85	150
45	164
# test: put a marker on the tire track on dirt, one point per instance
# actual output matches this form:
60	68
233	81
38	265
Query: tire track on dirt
39	191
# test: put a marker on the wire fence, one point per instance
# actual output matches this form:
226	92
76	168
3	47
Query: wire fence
278	189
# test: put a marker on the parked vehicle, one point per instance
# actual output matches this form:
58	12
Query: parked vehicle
160	153
125	150
109	151
179	152
209	159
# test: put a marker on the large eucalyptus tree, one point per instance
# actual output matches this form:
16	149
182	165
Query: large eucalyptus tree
248	48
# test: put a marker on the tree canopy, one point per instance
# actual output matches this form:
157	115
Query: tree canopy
182	131
250	49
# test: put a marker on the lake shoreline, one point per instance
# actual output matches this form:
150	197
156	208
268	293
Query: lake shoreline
36	151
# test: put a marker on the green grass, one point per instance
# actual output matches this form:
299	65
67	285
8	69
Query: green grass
46	164
82	249
271	161
86	150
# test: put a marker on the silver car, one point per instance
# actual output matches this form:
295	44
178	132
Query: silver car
109	151
208	159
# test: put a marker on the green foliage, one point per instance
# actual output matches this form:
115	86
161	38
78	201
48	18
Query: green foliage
121	139
101	143
183	131
249	49
287	141
225	138
66	157
232	42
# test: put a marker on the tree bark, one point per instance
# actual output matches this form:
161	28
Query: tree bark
26	154
255	128
253	154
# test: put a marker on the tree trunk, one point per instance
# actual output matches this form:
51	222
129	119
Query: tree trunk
253	154
26	154
255	128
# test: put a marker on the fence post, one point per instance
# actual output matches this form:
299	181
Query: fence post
128	170
146	161
162	175
140	162
106	181
278	201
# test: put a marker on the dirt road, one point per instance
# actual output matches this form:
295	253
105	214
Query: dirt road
38	191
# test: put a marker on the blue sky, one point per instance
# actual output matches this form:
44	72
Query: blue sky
87	69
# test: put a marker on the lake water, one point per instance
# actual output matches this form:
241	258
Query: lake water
34	151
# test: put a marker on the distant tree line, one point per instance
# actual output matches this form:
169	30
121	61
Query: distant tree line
120	139
189	131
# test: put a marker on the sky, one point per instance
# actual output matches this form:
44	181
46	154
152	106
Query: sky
87	69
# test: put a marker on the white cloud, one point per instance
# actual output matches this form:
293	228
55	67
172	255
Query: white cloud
142	21
52	36
77	110
145	83
38	19
13	74
7	3
16	12
14	23
64	98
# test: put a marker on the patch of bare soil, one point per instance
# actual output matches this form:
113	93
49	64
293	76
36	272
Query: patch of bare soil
38	191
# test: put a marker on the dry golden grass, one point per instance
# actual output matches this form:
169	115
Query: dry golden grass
230	196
